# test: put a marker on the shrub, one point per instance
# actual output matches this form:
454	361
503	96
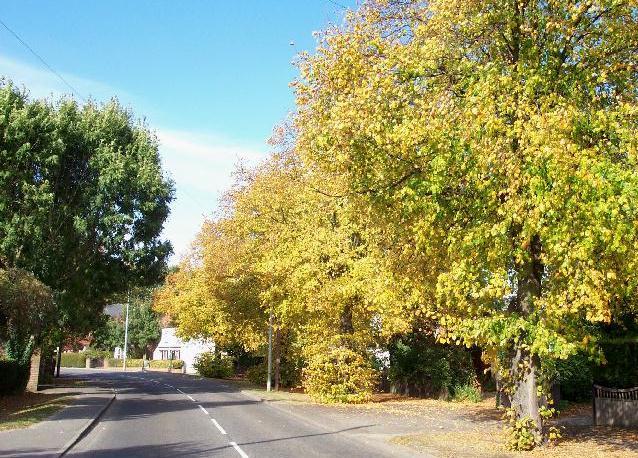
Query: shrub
257	374
579	372
73	360
97	354
419	366
165	363
466	393
575	376
621	370
339	375
289	373
214	365
14	376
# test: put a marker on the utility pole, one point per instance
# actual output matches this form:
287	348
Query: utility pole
128	299
269	351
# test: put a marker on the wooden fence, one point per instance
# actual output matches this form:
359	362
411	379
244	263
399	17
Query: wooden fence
615	407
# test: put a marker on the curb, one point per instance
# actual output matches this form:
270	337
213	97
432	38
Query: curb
88	425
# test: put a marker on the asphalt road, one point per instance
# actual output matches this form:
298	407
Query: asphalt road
160	415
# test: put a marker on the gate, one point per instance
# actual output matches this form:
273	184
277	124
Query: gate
615	407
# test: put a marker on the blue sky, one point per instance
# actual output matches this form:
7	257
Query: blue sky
211	77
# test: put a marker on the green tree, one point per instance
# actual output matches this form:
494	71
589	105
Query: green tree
83	200
496	141
143	327
26	305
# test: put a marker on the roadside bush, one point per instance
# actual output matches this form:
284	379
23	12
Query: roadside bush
129	362
621	370
14	376
214	365
578	373
575	376
257	374
419	366
289	373
466	393
165	363
339	375
73	360
97	354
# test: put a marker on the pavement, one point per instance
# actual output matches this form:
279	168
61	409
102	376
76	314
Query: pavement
51	437
165	415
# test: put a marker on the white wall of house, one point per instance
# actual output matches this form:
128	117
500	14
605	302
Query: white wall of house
187	351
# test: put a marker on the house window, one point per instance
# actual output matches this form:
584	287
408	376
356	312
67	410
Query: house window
170	354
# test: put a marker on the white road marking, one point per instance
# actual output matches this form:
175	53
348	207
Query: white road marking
240	451
180	390
189	397
203	410
221	430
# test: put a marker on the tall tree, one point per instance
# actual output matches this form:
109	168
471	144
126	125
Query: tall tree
83	199
497	142
143	327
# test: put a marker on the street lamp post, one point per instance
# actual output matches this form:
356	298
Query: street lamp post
268	383
126	330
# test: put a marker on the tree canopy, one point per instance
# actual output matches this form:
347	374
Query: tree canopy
83	199
497	140
471	165
143	327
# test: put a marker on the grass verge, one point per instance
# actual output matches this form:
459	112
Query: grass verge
584	442
24	410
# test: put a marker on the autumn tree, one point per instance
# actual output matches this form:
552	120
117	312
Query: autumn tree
496	141
289	245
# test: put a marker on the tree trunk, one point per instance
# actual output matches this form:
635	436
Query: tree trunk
347	326
524	367
525	400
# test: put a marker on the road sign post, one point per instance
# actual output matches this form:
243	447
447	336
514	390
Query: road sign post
268	382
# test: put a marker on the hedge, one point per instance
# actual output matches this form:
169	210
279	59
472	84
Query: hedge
165	363
214	365
73	360
129	362
14	376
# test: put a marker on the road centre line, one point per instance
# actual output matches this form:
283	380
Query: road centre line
221	430
203	410
239	450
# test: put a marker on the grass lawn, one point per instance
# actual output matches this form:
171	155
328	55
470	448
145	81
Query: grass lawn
23	410
583	442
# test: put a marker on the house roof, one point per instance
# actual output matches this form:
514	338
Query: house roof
115	310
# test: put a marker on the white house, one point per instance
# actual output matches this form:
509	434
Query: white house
172	347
